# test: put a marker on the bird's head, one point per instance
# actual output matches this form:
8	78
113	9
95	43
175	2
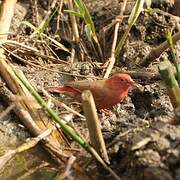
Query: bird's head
123	81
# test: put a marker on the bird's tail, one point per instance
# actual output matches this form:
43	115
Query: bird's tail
64	90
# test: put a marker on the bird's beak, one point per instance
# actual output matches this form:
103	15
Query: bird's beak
135	85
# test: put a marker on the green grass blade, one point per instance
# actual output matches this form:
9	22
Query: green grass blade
80	5
88	32
174	57
89	27
137	9
133	17
73	13
85	14
148	4
28	24
44	24
61	46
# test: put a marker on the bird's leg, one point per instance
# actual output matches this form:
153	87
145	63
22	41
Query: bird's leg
106	112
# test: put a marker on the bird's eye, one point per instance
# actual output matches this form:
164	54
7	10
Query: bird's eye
123	80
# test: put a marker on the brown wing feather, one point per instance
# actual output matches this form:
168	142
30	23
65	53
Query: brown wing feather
86	84
96	87
80	85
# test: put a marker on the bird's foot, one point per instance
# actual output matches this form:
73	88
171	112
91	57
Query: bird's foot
106	112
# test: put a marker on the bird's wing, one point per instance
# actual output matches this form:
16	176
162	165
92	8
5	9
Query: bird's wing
80	85
96	87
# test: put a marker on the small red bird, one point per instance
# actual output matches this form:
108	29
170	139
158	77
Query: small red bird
106	92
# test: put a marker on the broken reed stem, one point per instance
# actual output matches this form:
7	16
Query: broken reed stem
111	63
171	84
6	14
156	52
94	126
95	133
165	69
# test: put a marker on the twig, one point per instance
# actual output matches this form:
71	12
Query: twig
15	43
35	14
53	59
73	22
32	171
59	15
48	69
67	172
61	104
118	22
141	143
118	137
72	57
112	58
68	108
176	18
144	75
7	110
